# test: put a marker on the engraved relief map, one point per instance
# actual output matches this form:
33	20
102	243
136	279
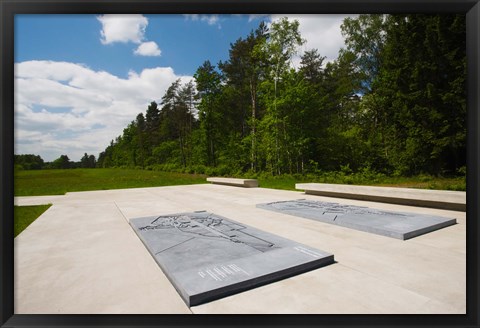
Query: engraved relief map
207	256
400	225
211	227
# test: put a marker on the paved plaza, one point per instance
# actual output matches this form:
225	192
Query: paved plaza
83	257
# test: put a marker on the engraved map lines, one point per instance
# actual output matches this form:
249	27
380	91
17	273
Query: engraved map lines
209	227
327	208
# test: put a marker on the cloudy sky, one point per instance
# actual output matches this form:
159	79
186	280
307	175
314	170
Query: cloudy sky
80	79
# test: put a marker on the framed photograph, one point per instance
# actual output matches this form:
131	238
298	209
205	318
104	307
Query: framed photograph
129	106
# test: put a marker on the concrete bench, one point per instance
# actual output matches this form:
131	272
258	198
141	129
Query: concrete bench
247	183
443	199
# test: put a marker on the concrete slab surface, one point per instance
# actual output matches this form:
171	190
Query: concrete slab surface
82	256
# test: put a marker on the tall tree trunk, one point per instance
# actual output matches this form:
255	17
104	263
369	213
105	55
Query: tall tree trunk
277	152
253	95
212	152
182	151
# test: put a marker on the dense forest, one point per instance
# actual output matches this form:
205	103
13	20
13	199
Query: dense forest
394	102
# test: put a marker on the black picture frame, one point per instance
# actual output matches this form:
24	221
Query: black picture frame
9	8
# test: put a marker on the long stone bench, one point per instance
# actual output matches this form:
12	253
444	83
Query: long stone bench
443	199
247	183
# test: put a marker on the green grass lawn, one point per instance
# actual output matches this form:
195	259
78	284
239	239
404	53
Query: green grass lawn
422	182
58	182
25	215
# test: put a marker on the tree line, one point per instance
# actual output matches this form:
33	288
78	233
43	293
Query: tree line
35	162
393	101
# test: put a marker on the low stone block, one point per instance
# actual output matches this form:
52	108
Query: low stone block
207	256
398	225
443	199
247	183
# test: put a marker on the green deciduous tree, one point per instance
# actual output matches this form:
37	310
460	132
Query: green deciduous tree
63	162
208	82
282	44
87	161
28	162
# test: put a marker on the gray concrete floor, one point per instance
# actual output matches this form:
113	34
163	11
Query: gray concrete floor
82	256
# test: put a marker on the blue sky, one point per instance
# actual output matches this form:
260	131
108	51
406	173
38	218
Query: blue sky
184	43
80	79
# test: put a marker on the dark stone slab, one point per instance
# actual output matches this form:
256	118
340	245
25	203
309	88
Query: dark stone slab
398	225
207	256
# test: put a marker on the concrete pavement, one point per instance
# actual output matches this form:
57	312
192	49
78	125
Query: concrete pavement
81	256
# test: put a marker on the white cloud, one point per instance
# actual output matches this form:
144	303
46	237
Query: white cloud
67	108
123	28
321	31
209	19
193	17
148	49
252	17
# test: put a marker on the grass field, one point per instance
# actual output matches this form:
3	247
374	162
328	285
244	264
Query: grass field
25	215
58	182
422	182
